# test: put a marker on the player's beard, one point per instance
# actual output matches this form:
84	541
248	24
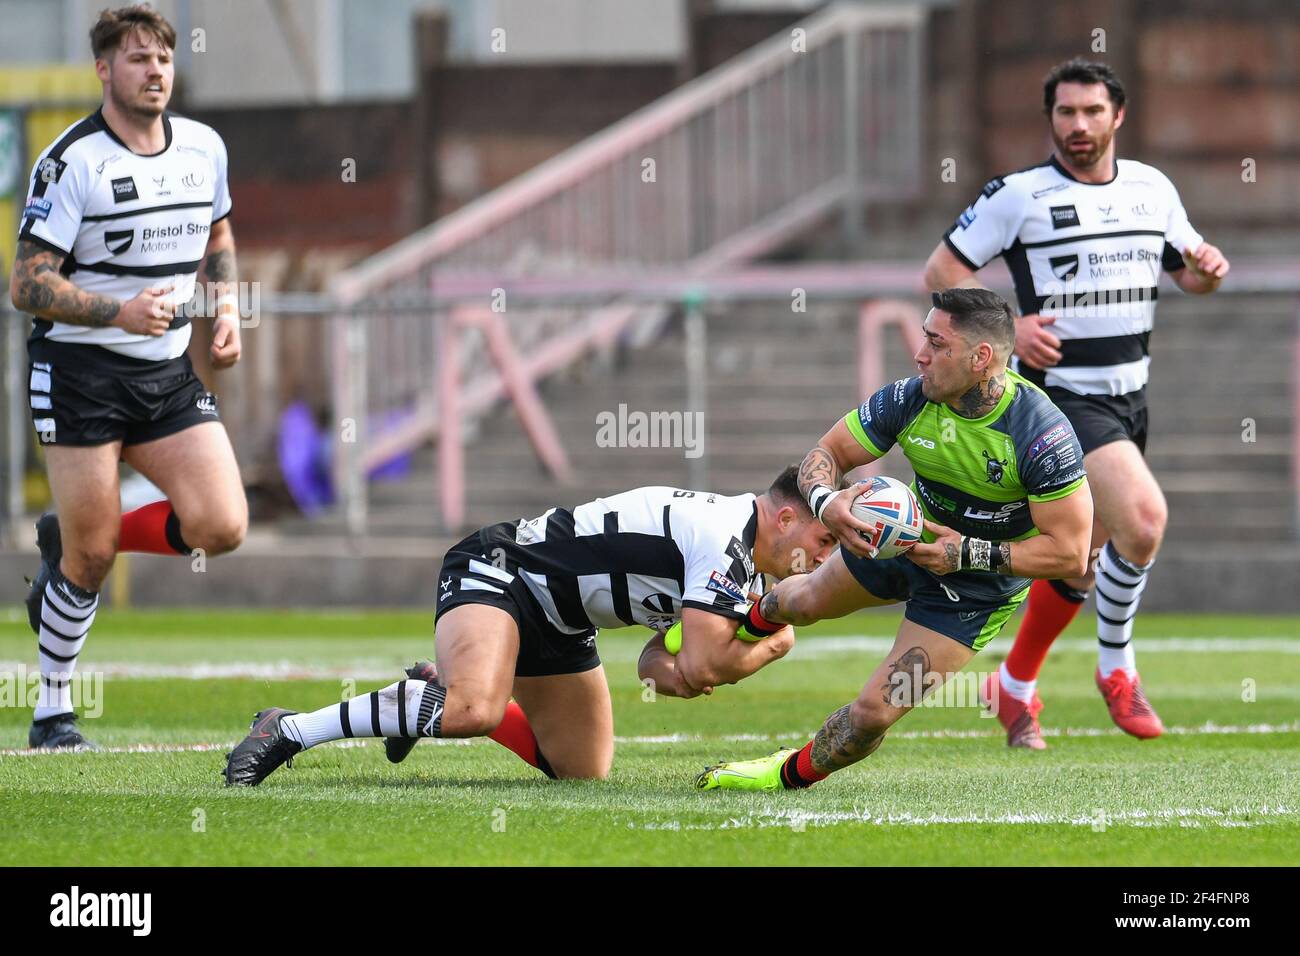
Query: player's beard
138	108
1085	160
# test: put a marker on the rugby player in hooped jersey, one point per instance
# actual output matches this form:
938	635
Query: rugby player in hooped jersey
518	609
1000	478
1085	236
126	208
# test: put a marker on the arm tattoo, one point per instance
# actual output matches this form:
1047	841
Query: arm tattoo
982	397
1005	549
819	468
951	556
44	291
769	605
220	266
839	743
907	679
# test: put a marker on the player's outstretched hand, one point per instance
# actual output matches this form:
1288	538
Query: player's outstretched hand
225	342
941	556
1037	347
838	518
149	313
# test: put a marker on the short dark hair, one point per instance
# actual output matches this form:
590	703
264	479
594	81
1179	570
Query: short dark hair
980	316
785	490
1083	71
113	27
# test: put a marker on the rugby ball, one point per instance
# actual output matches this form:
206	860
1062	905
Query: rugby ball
892	510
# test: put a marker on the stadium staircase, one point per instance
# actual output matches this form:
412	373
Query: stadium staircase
777	380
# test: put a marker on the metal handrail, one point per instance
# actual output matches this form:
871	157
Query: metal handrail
575	165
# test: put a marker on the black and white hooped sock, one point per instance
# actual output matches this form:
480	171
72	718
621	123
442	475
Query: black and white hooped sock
67	611
409	708
1119	586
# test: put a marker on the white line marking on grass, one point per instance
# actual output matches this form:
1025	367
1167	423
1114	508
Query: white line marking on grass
795	818
811	648
1208	728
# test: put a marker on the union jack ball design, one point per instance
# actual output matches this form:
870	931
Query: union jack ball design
889	506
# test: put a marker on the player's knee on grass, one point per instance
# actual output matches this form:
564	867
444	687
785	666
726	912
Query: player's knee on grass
467	715
587	768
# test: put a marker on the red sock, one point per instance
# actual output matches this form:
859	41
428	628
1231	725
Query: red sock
152	529
517	736
1051	607
798	770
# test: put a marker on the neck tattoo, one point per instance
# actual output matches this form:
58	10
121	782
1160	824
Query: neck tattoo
981	398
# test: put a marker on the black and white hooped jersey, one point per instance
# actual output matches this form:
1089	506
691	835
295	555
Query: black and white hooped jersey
637	557
126	221
1088	254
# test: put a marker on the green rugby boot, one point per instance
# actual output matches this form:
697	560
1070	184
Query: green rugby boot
763	773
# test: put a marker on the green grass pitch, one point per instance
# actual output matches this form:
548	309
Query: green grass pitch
1223	788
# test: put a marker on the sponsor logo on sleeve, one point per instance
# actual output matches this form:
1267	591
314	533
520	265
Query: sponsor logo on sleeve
721	584
1049	438
992	186
966	218
900	387
38	208
865	411
1064	216
124	189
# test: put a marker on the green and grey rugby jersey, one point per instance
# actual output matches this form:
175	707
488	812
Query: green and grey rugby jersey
976	475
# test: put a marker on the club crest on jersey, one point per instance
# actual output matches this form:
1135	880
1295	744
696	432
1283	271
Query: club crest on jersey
124	189
1065	267
192	180
206	404
1064	216
995	467
723	585
118	241
51	170
741	553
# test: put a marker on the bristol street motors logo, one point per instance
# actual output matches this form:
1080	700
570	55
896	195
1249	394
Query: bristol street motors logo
1065	268
995	467
118	241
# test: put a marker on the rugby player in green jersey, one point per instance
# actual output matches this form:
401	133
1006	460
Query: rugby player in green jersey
999	475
